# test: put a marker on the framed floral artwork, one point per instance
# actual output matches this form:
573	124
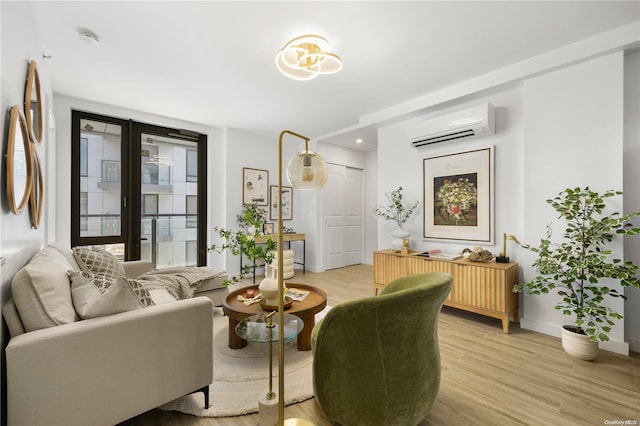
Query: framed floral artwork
458	196
287	203
255	184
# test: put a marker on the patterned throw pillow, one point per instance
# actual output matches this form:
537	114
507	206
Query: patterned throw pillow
99	262
95	296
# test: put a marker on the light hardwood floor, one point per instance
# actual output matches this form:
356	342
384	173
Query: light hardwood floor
488	378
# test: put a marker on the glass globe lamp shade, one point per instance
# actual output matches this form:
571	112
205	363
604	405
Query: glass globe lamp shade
307	170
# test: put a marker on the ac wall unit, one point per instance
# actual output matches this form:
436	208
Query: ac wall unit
472	122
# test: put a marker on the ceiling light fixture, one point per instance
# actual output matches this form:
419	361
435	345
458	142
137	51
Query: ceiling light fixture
358	140
307	56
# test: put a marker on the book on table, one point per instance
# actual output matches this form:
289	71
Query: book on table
296	294
446	256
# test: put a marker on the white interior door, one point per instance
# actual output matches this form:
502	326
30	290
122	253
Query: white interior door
342	207
353	202
334	217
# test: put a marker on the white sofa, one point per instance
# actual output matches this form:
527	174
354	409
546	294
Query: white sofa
61	370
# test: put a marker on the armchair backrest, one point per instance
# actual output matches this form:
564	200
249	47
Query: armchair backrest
376	359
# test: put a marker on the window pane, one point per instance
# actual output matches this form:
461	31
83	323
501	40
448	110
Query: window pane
192	211
83	156
192	253
192	165
100	147
83	211
149	205
166	164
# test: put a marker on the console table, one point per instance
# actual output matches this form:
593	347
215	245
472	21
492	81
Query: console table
286	238
479	287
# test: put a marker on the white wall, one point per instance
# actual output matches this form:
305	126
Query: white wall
401	165
257	152
19	44
370	202
560	129
574	136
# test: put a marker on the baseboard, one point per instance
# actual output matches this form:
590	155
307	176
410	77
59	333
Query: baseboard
554	330
634	345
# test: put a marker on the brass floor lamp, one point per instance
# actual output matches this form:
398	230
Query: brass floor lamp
306	170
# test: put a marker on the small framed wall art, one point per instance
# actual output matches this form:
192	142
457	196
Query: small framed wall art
267	228
255	184
458	196
287	203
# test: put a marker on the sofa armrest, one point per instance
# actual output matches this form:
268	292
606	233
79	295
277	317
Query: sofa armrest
135	268
106	370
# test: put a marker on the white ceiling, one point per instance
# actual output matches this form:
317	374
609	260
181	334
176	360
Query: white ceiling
212	62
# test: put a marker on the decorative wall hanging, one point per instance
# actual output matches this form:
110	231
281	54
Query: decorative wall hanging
255	186
24	170
287	202
19	161
37	191
458	196
33	104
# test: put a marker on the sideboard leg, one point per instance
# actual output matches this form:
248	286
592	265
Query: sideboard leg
505	325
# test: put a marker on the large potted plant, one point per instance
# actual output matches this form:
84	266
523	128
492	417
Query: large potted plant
581	267
396	210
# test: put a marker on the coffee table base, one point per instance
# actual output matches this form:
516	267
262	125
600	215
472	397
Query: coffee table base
304	338
306	310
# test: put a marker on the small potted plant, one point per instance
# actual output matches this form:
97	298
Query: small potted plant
580	267
252	218
397	211
240	243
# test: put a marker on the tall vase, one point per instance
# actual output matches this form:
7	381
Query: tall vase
398	234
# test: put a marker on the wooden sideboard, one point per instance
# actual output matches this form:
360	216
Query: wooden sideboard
482	288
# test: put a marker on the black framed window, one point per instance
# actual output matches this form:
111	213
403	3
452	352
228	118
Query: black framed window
127	181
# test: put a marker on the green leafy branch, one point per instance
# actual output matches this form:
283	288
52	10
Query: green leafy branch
395	209
239	243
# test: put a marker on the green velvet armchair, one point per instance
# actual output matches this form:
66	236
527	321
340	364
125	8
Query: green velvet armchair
376	360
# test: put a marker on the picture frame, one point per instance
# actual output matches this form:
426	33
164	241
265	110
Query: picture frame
459	196
287	203
267	228
255	186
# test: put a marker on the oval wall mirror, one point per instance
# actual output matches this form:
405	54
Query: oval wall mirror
37	191
33	104
19	162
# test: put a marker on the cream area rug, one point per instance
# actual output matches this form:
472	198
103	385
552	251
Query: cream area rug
241	376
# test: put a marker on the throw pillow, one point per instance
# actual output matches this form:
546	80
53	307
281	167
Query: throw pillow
41	293
99	262
95	296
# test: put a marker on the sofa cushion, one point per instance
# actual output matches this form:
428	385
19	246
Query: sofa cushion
41	291
99	262
67	253
96	296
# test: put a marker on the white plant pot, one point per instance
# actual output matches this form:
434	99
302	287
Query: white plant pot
398	235
578	345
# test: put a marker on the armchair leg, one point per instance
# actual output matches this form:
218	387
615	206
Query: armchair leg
205	391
